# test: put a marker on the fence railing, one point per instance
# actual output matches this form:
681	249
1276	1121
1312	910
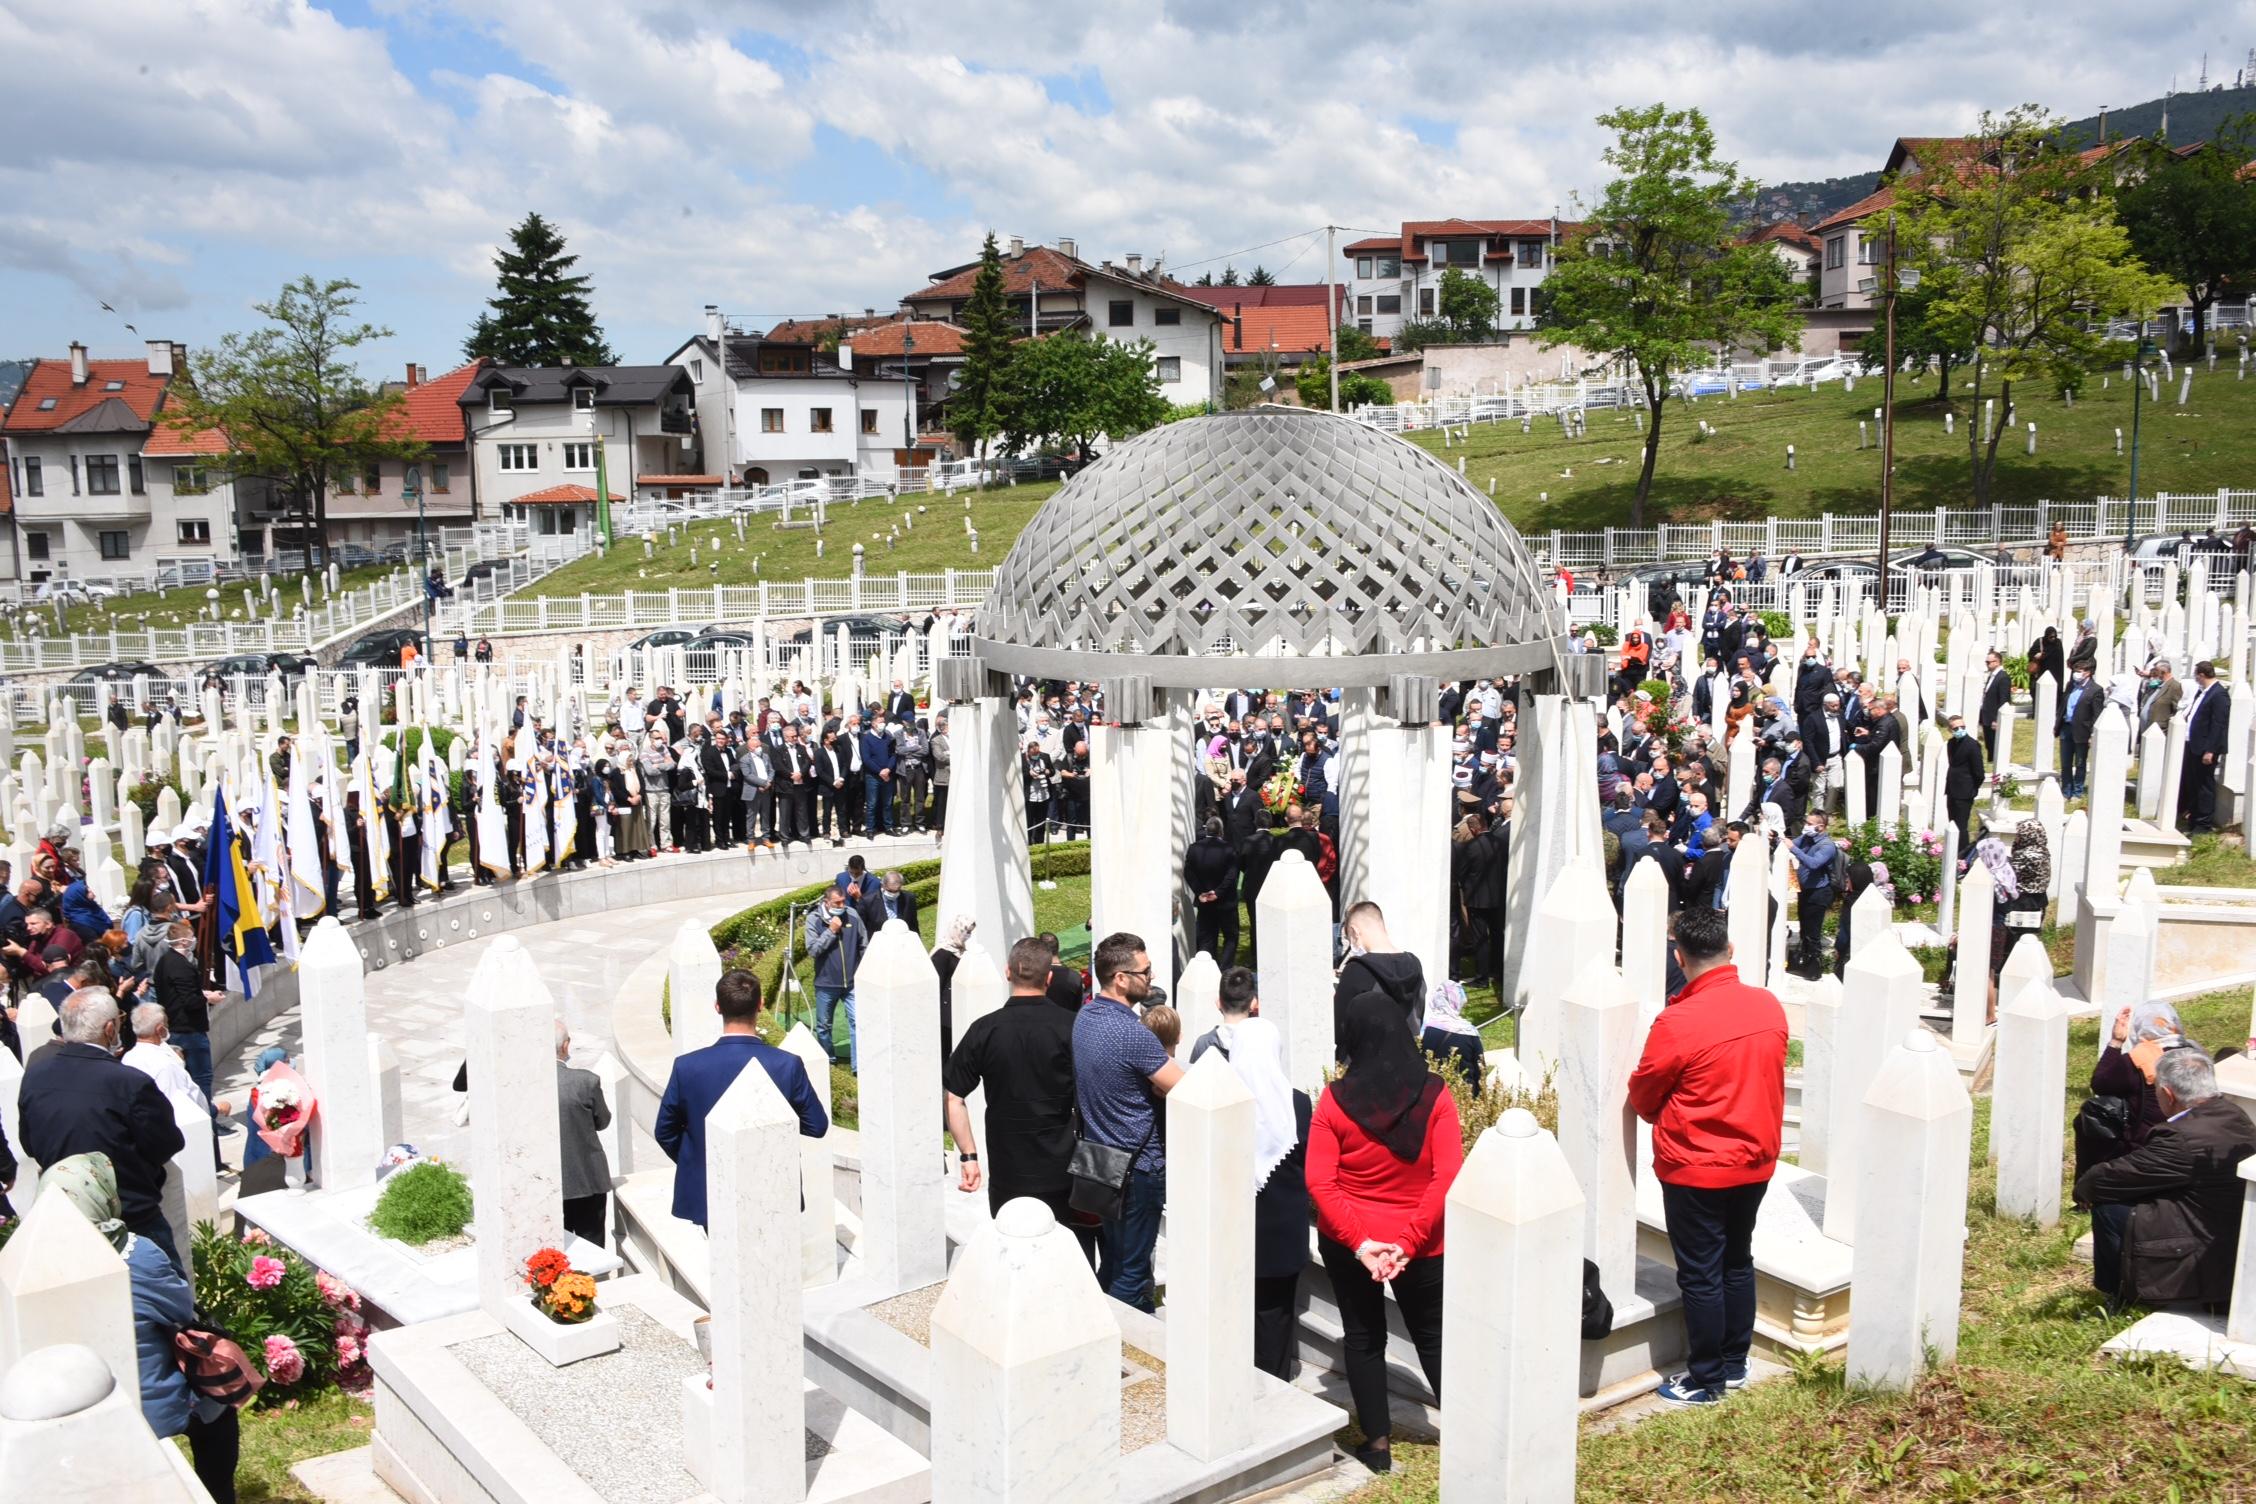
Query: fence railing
936	590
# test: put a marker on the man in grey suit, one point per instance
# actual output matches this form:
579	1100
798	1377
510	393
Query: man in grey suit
582	1114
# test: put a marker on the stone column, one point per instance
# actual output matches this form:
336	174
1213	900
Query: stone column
61	1281
2027	1097
2132	940
1601	1033
2153	745
1575	924
2240	1319
1026	1370
1544	837
1970	994
516	1154
1197	1000
1882	988
1293	946
1210	1372
1889	806
983	866
1511	1348
1738	777
1904	1278
818	1208
1747	915
1851	788
752	1421
347	1126
1394	825
1135	846
2048	713
1821	1034
897	993
693	967
2173	769
384	1072
1645	898
11	1124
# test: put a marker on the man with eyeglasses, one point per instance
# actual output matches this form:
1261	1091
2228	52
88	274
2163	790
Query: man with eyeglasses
1120	1071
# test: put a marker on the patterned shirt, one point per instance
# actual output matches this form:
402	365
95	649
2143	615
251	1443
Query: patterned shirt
1114	1059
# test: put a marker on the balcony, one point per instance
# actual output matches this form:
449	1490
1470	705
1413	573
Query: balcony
121	506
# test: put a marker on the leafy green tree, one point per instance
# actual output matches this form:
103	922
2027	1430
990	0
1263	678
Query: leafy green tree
2027	258
975	411
289	402
1927	333
2194	216
1412	335
1261	278
1468	306
1206	279
1656	281
1069	390
1356	388
539	313
1354	344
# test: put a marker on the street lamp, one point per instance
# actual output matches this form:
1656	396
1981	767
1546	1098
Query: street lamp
908	388
411	484
2138	389
602	483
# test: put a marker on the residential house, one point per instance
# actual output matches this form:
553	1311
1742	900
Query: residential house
100	485
533	435
1049	289
1397	277
379	508
1796	249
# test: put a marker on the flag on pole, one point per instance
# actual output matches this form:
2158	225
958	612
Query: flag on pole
438	818
239	931
306	888
492	827
534	792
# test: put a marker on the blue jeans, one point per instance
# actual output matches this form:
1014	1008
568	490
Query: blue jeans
1124	1245
827	1000
1711	1232
195	1053
877	803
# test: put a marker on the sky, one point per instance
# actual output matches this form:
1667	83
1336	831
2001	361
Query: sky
181	159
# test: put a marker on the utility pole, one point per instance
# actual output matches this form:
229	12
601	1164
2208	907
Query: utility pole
1331	313
2138	390
1888	416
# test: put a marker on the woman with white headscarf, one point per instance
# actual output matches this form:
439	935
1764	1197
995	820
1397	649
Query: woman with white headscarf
1448	1034
955	936
1255	1050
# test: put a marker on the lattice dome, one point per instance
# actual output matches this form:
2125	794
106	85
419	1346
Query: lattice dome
1272	532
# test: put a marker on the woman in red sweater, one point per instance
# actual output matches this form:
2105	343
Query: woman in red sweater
1383	1147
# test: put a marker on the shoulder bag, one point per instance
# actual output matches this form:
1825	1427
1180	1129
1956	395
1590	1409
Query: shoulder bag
1099	1173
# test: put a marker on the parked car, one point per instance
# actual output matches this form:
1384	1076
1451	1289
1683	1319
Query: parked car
75	592
382	649
117	672
291	666
483	569
666	637
1826	571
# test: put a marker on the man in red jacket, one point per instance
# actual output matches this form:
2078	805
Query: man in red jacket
1713	1085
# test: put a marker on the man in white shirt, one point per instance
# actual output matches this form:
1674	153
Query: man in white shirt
152	1056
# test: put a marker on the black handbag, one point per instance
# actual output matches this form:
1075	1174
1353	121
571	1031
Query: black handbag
1099	1174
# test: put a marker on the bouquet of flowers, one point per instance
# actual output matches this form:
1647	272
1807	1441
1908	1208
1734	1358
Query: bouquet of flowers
290	1318
1281	792
560	1292
284	1109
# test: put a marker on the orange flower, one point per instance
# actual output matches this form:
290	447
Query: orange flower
545	1266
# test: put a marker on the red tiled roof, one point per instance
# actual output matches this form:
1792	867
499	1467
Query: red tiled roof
1288	331
1787	231
1869	204
167	442
139	392
671	480
933	337
1037	263
559	495
1379	243
1416	231
813	331
1277	295
433	409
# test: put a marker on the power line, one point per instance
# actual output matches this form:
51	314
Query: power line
1249	250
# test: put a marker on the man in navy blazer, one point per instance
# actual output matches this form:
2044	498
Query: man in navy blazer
701	1077
2207	731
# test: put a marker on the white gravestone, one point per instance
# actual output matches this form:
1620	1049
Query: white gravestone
1197	1000
1293	943
2027	1098
1821	1033
61	1281
1905	1274
348	1130
70	1433
1574	926
1601	1034
818	1211
1970	994
904	1243
1210	1372
1882	989
693	967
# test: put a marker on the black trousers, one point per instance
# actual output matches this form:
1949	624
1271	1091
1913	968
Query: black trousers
214	1449
1276	1325
939	806
2111	1220
799	813
1960	812
1813	907
1711	1232
588	1217
1218	932
2197	804
2075	763
1362	1307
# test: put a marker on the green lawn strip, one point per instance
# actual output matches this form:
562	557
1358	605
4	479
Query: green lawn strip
276	1437
2217	861
154	609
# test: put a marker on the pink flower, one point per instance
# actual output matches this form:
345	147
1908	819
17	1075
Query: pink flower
266	1273
284	1363
258	1239
339	1295
1876	850
348	1351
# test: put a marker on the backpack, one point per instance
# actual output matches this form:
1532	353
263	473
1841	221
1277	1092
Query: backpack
1838	870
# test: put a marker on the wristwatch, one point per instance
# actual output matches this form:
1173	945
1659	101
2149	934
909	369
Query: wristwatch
969	1159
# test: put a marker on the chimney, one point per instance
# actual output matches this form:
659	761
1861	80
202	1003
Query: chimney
422	374
160	357
1070	249
713	322
1135	263
78	364
179	358
869	313
413	375
1018	245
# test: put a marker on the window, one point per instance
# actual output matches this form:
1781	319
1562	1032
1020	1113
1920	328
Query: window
1388	266
101	475
135	480
195	530
1363	267
113	386
1531	255
1363	305
74	474
498	403
438	475
34	483
1425	302
1364	325
35	545
583	399
1834	252
1120	314
1169	368
771	420
116	545
1519	302
1390	302
579	454
372	479
818	420
1167	318
697	370
785	361
46	404
519	457
869	420
1456	253
1868	252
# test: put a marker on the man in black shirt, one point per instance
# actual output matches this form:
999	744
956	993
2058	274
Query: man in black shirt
1022	1053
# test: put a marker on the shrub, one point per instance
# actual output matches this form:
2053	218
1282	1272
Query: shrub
1777	625
1607	636
1660	690
1914	861
2017	668
146	793
274	1303
441	738
423	1203
1481	1104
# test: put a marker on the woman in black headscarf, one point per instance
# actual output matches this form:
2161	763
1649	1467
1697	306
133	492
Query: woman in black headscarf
1383	1148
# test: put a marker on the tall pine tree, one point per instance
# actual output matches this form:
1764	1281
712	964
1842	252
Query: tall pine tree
975	412
539	314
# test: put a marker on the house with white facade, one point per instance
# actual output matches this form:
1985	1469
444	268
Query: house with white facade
99	483
1049	289
1392	278
533	434
380	506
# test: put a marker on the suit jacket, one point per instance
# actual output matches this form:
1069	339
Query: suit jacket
901	706
1210	867
1242	815
1995	693
581	1115
1963	777
2184	1189
873	907
2212	710
2162	704
1704	876
699	1080
2076	725
1813	681
76	1099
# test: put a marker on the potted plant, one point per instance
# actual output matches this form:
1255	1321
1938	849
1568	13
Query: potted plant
560	1321
561	1293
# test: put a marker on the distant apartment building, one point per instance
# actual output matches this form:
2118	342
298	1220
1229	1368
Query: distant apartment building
1392	278
379	506
533	434
98	484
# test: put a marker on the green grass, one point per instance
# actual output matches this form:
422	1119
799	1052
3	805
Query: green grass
1741	472
934	541
152	609
2027	1411
274	1439
2217	861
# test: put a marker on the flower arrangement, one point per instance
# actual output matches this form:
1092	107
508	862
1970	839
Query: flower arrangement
560	1292
1906	864
1281	792
2005	786
291	1320
283	1109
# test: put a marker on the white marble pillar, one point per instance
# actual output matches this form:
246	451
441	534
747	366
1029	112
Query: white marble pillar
1747	907
1210	1372
61	1281
1601	1034
516	1154
2028	1094
1197	1000
384	1071
2132	941
1394	825
1852	788
1545	836
11	1124
1821	1034
1293	945
1138	774
1739	777
818	1200
1882	991
752	1420
693	969
2068	866
983	867
904	1242
1970	993
1574	927
1025	1370
2046	759
1946	895
347	1127
1511	1346
1905	1274
69	1435
1645	917
2103	852
2240	1318
2153	748
2173	770
1888	808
